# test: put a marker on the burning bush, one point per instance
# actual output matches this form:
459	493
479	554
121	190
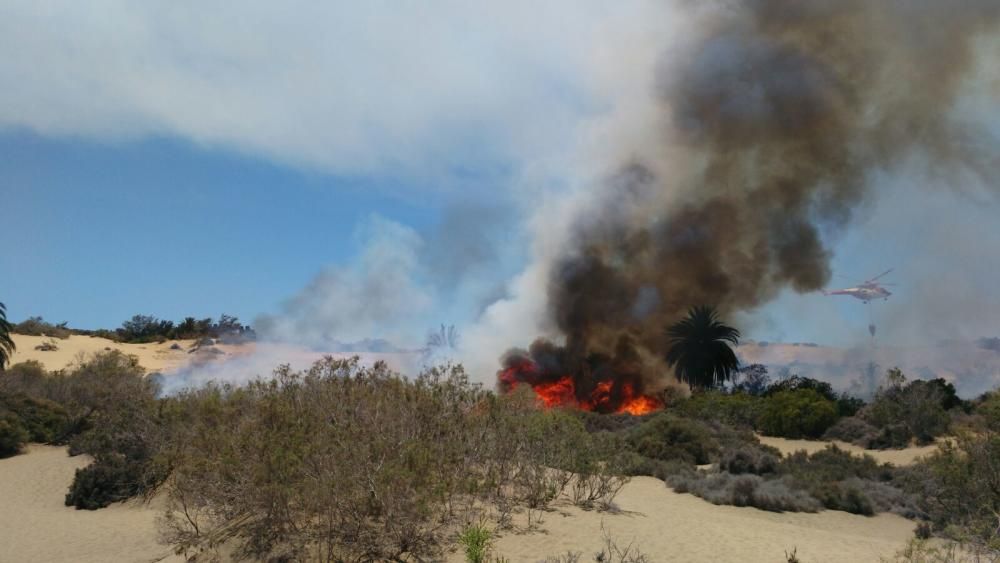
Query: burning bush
598	383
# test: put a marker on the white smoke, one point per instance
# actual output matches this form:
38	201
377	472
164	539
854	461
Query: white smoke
380	295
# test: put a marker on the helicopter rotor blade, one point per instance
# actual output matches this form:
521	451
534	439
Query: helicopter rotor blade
882	274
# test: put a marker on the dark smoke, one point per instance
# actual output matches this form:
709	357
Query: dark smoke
782	111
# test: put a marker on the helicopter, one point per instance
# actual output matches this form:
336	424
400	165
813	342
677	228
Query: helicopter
867	290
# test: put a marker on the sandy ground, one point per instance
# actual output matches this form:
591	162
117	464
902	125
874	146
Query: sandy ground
904	456
35	525
668	526
154	357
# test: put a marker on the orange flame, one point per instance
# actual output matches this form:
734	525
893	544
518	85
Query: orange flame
607	396
640	405
556	393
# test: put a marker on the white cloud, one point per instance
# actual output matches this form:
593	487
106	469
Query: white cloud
344	87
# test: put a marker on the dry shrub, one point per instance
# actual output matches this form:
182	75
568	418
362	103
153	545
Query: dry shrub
751	458
47	346
745	490
853	430
345	462
958	488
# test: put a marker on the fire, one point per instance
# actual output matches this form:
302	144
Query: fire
556	393
640	405
611	395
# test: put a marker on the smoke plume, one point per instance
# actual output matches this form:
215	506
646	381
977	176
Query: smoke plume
772	123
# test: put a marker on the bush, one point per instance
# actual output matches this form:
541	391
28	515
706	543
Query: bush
36	326
848	405
44	420
116	418
988	407
853	430
799	383
344	462
755	459
635	464
47	346
109	479
832	476
797	414
745	490
666	437
477	541
904	412
738	409
957	489
13	434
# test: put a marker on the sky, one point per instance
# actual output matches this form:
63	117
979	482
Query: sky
270	162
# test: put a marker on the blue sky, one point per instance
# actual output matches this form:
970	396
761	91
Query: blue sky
179	159
104	231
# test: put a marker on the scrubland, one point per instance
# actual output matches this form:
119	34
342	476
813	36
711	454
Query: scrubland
347	462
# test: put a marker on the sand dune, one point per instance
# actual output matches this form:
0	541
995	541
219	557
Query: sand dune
669	526
905	456
666	526
154	357
35	525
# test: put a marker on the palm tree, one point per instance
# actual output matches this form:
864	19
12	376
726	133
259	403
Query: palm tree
699	349
6	343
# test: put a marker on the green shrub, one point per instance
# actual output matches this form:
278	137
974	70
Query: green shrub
36	326
44	420
635	464
666	437
802	413
832	476
988	407
906	412
799	383
741	410
13	434
477	541
957	488
848	405
109	479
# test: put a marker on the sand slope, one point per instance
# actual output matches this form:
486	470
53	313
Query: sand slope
666	526
154	357
35	525
669	526
905	456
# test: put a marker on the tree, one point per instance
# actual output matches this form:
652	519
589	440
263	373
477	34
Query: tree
699	349
7	346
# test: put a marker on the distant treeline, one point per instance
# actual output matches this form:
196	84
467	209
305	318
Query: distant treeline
147	328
